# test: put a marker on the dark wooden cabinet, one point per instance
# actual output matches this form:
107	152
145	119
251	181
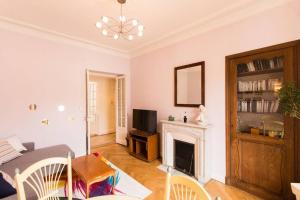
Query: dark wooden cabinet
262	145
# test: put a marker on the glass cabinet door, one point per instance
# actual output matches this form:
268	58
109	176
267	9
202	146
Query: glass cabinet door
258	82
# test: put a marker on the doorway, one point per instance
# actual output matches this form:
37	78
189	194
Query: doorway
106	109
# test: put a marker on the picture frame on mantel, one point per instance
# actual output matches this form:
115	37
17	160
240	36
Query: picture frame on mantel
189	85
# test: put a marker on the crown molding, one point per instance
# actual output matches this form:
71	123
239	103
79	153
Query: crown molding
226	16
33	30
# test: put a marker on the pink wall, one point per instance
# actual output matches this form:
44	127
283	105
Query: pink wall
47	73
152	74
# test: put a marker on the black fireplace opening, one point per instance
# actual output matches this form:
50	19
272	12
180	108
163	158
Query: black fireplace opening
184	157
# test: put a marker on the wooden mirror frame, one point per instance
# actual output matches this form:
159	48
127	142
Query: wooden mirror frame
202	64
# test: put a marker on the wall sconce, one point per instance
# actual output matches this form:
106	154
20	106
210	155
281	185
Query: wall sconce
61	108
32	107
45	122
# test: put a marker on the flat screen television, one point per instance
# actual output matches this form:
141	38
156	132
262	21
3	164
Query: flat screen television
144	120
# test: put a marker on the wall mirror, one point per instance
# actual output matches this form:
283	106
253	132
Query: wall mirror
189	85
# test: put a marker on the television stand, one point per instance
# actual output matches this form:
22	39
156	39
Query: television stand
143	145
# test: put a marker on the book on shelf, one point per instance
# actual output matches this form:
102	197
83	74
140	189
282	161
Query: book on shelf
259	85
258	106
260	65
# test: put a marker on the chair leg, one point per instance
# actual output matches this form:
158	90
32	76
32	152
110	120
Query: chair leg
114	184
168	186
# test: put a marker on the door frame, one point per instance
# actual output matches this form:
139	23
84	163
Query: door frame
87	127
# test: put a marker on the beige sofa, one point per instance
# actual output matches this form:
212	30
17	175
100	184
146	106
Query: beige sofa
31	156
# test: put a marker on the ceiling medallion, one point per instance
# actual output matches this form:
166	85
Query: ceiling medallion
120	28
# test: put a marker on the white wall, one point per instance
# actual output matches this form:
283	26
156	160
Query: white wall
154	71
47	73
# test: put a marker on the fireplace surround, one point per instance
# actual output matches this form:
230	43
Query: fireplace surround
189	133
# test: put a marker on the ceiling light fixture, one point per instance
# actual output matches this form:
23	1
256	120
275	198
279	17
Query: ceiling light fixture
121	27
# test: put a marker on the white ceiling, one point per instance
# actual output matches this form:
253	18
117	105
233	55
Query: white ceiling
162	18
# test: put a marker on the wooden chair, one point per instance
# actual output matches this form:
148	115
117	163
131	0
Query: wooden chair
43	178
184	188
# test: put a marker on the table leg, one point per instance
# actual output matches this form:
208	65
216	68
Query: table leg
87	191
114	183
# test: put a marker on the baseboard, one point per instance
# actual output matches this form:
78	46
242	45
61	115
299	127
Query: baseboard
218	177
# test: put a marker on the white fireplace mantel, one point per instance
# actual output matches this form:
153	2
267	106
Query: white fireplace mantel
191	133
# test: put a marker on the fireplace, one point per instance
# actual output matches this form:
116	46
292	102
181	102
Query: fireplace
187	147
184	157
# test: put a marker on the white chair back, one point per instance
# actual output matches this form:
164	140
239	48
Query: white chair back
184	188
44	177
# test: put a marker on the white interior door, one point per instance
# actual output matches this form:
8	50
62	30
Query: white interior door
121	110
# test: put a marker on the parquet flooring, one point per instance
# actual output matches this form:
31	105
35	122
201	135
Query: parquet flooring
154	179
102	140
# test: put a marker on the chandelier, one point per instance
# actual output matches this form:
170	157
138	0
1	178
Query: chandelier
120	28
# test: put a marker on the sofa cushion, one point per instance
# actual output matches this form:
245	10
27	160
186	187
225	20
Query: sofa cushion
16	143
7	152
29	146
8	179
6	189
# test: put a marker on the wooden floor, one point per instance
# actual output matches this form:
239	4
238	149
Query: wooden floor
102	140
154	179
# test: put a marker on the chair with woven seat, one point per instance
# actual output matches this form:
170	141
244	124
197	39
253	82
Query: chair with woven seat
44	178
184	188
